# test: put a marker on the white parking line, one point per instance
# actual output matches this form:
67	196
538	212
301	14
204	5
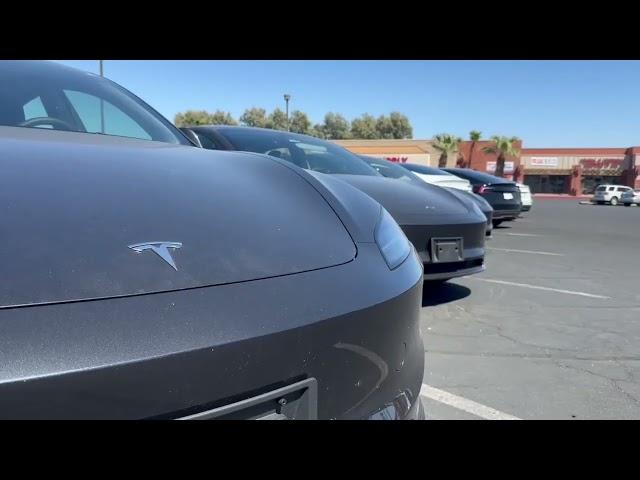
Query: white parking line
523	234
537	287
513	250
464	404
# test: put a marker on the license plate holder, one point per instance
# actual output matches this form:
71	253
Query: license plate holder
445	250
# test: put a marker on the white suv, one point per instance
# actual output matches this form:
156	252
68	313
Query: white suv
609	194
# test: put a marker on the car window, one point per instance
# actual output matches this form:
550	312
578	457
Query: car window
34	109
611	189
301	150
206	142
100	116
601	189
46	95
388	169
623	189
424	169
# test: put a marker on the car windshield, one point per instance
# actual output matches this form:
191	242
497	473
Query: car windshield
424	169
304	151
601	189
45	95
388	169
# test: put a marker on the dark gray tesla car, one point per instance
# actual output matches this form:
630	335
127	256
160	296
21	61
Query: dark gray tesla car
146	278
502	194
447	231
393	170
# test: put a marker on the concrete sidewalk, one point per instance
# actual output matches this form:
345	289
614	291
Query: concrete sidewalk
560	196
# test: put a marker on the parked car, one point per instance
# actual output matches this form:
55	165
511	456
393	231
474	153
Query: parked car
394	170
630	197
436	176
525	196
447	232
609	194
148	278
503	195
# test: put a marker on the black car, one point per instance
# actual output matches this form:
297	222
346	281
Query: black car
503	195
147	278
447	231
393	170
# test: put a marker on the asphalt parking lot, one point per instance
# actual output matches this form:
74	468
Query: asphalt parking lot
551	330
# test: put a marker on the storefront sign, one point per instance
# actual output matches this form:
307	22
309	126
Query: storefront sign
397	159
508	167
544	161
602	163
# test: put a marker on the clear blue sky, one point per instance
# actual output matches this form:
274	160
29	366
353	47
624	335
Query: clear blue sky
546	103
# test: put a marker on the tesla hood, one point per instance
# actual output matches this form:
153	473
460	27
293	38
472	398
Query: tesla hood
410	202
92	216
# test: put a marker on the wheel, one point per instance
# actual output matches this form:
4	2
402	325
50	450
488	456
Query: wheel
600	203
614	201
627	204
496	223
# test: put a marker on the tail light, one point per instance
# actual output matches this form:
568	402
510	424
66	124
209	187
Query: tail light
479	189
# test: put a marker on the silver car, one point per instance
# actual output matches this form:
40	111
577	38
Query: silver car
631	197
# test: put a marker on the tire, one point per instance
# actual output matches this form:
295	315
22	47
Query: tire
496	223
614	201
627	204
600	203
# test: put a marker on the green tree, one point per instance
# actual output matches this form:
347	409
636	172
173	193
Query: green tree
446	144
222	118
191	117
502	147
335	126
277	120
299	122
317	131
364	127
474	136
384	127
254	117
400	125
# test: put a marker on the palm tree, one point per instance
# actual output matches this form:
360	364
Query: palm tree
474	136
502	147
446	144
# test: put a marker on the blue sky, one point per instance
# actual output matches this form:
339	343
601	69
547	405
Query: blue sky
546	103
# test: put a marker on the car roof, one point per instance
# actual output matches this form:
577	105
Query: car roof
477	176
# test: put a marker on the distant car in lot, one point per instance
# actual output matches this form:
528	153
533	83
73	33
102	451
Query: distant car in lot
611	194
503	195
525	196
437	176
630	197
447	230
147	278
394	170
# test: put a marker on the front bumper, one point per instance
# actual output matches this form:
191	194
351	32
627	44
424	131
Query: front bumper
473	240
176	354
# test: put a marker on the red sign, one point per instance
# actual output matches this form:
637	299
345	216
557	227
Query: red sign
602	163
397	159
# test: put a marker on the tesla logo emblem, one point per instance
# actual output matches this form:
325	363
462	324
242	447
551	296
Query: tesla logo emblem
159	248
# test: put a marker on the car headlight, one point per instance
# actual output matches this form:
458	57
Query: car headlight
391	240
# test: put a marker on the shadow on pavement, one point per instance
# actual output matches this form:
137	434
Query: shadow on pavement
437	294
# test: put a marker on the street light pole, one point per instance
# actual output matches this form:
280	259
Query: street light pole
287	97
101	70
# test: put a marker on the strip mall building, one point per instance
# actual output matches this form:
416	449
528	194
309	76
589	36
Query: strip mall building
574	171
